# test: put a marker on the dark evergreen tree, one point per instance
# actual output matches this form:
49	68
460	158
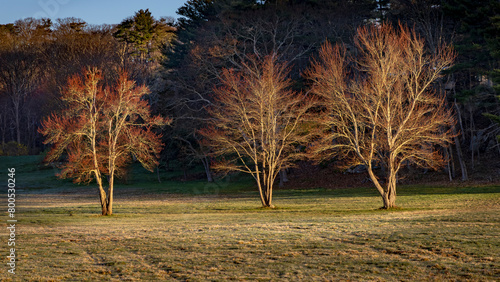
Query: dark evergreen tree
476	42
144	35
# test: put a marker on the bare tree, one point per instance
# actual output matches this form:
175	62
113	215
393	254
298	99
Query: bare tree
234	37
383	111
101	129
257	123
21	61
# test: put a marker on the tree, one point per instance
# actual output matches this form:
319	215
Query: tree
477	43
495	119
383	111
21	63
194	12
257	123
100	130
214	34
76	45
143	39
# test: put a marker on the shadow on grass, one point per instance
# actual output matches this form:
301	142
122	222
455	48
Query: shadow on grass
446	190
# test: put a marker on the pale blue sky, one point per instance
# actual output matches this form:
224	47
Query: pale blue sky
91	11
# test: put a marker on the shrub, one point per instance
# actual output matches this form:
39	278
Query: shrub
13	148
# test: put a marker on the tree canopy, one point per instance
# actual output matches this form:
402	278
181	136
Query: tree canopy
387	114
101	130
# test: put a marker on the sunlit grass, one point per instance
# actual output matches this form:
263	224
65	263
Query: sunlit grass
183	231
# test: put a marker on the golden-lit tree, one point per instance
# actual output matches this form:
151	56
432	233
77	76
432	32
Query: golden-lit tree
257	123
100	130
380	107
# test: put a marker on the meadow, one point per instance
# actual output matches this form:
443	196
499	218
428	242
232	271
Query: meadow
193	231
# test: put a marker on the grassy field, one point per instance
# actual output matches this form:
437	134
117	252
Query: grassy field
193	231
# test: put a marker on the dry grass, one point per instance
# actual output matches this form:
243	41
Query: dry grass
193	231
313	235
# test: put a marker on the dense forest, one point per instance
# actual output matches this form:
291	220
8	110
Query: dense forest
182	61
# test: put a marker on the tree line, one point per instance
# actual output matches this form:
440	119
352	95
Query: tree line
369	83
38	56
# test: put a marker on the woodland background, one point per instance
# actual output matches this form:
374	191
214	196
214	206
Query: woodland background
181	62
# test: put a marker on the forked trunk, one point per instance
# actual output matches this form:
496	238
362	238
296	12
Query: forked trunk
389	200
389	193
268	198
266	191
107	206
389	197
105	200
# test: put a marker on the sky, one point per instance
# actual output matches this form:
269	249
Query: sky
91	11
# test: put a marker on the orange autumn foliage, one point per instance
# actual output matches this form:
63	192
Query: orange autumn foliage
101	130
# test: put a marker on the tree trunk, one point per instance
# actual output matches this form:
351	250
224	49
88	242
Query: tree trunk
110	193
283	177
389	200
102	195
4	126
452	160
206	165
472	135
448	168
450	165
109	209
498	143
389	197
388	194
17	122
158	173
463	167
104	206
184	171
266	190
459	118
270	194
261	192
